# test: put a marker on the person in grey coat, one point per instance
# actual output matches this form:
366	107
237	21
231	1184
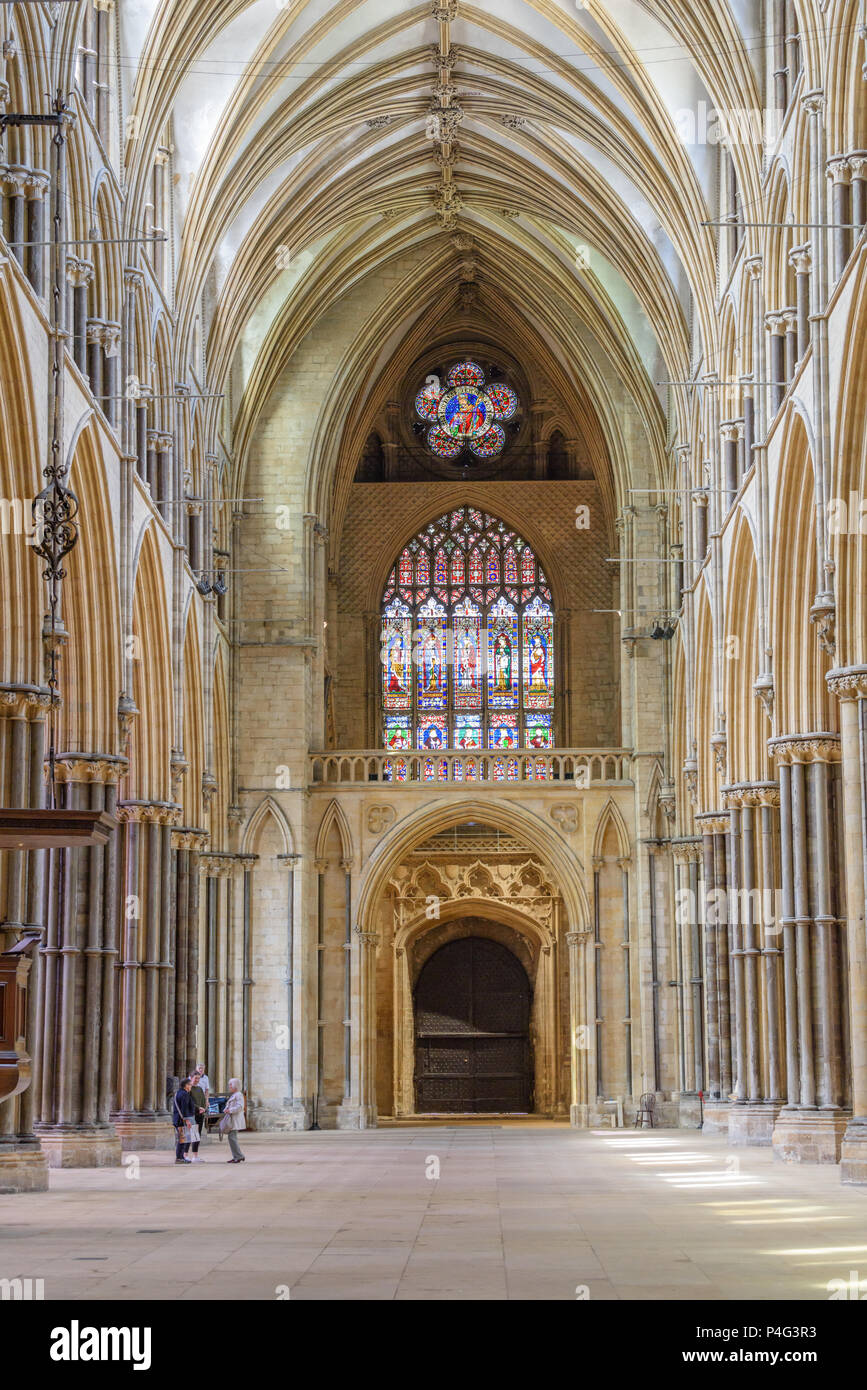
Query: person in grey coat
233	1119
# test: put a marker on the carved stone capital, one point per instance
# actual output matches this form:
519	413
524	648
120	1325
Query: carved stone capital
820	747
190	838
839	169
687	849
216	865
23	702
36	185
149	813
751	794
731	431
801	259
848	682
79	273
88	768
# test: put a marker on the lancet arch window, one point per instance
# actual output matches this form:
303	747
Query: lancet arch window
467	641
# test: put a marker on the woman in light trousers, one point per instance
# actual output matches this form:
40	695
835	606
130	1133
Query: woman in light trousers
233	1119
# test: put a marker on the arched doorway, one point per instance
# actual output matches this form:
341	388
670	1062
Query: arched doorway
472	1031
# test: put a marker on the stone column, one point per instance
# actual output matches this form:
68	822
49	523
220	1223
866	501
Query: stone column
810	1126
580	1031
626	946
95	359
23	709
163	445
858	170
358	1110
36	187
142	1117
801	260
771	939
77	1001
777	326
297	1104
194	512
13	183
713	828
141	440
222	1055
79	273
793	46
850	687
111	349
790	317
781	72
187	846
700	502
687	853
151	464
839	172
752	922
732	434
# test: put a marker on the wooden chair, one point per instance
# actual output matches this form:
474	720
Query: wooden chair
645	1110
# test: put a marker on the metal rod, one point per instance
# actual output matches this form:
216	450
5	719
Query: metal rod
93	241
145	395
205	501
792	226
754	385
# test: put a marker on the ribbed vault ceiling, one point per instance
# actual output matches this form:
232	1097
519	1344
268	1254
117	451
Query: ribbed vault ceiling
304	162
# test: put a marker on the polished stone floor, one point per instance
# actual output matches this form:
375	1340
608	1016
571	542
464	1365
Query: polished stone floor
518	1211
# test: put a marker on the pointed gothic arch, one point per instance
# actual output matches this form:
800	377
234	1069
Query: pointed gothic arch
268	810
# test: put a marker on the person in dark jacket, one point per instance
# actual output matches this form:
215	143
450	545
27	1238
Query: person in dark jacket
201	1114
183	1115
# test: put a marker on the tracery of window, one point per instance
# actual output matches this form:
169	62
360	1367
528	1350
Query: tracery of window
467	640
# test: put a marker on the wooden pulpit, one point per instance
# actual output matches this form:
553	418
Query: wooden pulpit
15	1065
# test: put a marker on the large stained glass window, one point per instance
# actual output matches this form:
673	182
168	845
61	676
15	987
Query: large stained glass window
467	640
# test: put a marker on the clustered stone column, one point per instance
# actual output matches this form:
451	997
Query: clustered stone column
850	687
23	709
755	941
848	177
777	324
146	957
187	845
214	1035
810	1125
714	829
24	190
77	996
687	855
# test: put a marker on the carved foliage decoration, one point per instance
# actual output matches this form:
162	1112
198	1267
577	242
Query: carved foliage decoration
524	885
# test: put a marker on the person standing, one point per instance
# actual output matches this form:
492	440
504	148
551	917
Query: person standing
204	1081
183	1116
200	1103
233	1119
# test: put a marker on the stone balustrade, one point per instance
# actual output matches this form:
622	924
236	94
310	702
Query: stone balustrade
582	767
